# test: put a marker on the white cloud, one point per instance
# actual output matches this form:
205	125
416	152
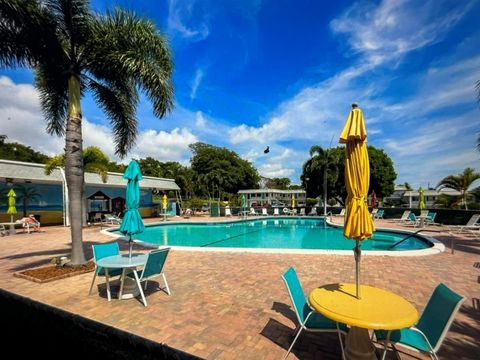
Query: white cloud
180	13
200	121
22	121
196	82
396	27
275	171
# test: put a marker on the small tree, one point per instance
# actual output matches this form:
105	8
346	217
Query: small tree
460	182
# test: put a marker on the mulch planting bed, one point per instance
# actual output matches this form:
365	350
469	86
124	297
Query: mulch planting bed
53	272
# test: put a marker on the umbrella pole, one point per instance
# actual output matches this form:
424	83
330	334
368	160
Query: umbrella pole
130	246
358	254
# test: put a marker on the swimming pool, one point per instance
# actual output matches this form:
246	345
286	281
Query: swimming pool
274	233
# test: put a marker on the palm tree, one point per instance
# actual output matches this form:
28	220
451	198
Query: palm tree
94	160
73	50
25	195
460	182
323	162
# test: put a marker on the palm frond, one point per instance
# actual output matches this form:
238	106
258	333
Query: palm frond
27	34
53	91
54	162
98	168
120	108
132	47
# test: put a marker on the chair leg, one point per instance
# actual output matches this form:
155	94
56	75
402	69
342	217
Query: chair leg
93	281
385	344
293	343
341	342
166	284
139	287
107	277
146	282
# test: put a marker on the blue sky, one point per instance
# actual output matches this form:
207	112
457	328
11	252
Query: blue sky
283	73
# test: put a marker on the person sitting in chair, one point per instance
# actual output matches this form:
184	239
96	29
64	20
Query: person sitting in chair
30	221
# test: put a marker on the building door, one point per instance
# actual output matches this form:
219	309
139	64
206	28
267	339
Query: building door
118	205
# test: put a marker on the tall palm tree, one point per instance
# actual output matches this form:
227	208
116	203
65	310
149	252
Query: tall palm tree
73	50
460	182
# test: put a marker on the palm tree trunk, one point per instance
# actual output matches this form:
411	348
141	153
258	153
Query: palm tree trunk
465	199
325	191
74	169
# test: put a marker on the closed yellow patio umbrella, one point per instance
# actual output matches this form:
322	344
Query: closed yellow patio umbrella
12	210
421	198
358	221
293	200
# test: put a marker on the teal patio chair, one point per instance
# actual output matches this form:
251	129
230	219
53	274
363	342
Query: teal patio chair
427	336
101	251
308	318
153	267
430	219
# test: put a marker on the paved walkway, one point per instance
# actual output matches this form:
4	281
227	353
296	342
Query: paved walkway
235	305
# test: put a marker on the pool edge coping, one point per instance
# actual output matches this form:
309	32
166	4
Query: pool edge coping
437	248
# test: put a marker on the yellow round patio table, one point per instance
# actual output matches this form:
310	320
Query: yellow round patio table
377	309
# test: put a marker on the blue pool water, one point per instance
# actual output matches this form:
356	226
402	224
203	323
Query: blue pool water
278	233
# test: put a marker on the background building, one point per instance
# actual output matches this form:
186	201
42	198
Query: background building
274	197
47	198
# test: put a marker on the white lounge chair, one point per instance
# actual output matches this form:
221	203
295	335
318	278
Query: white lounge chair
112	219
286	211
252	212
313	212
227	211
472	225
302	212
276	212
264	212
3	231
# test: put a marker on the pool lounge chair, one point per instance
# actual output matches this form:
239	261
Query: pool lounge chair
252	212
3	231
313	212
302	212
264	212
427	336
112	219
472	225
308	319
276	212
228	212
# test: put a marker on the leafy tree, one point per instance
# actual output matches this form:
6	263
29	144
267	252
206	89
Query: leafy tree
3	138
94	160
295	187
408	186
73	50
320	170
19	152
460	182
25	195
382	173
222	168
278	183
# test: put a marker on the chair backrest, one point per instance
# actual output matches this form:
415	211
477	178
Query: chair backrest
423	213
380	213
374	211
473	220
275	211
264	211
405	215
155	262
412	217
342	212
313	211
295	291
431	216
252	210
439	314
302	211
101	251
227	212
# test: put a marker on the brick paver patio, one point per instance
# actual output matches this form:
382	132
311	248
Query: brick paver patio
235	305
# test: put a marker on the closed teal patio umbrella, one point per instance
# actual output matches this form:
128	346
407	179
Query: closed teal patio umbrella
132	221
